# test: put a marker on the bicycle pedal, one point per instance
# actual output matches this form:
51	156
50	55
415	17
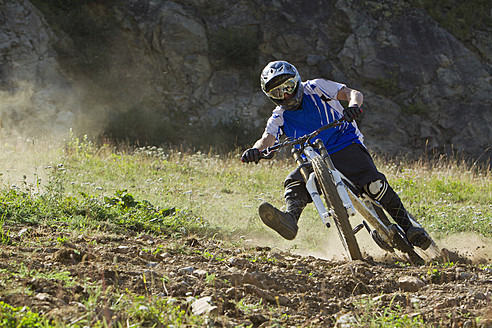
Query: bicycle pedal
380	242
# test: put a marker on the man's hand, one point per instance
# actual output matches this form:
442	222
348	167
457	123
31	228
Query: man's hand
251	155
351	113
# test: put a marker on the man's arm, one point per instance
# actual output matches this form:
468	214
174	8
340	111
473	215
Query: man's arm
353	96
354	99
267	140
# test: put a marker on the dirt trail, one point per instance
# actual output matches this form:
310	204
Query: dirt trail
250	285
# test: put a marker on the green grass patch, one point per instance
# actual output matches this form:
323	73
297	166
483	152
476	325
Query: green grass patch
20	317
168	191
447	197
372	315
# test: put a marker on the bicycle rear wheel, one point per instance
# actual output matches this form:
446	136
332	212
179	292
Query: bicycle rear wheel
341	217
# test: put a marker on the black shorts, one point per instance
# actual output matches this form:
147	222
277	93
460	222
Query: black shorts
354	162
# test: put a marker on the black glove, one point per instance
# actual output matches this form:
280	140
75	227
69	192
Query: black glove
351	113
251	155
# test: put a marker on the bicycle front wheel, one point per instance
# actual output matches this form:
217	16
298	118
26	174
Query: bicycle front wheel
332	197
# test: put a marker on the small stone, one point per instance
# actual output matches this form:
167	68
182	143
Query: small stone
230	292
200	272
204	306
257	319
238	262
43	297
187	270
467	276
410	284
123	249
22	232
345	321
480	296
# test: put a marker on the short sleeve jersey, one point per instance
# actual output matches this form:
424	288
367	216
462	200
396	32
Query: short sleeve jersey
319	107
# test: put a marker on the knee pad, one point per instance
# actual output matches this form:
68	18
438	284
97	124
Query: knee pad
376	189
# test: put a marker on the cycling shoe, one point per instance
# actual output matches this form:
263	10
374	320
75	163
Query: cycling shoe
418	237
283	223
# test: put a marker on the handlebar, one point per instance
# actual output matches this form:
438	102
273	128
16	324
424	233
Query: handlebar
269	152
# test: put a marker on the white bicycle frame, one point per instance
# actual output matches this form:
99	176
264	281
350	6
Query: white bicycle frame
351	202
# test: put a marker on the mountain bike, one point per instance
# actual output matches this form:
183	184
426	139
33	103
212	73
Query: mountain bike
343	200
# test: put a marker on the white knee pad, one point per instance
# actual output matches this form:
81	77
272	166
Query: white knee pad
376	189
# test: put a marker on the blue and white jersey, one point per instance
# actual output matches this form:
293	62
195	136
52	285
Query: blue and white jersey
319	107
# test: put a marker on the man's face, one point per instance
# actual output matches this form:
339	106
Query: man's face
290	103
288	97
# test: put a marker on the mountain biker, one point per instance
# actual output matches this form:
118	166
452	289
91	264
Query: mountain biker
303	107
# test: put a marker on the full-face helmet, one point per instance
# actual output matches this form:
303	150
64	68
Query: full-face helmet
279	79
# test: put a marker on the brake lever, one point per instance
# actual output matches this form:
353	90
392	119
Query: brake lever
265	154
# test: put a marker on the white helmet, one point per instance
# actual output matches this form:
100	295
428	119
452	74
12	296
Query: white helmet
279	78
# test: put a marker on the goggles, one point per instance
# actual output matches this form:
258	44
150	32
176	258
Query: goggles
288	87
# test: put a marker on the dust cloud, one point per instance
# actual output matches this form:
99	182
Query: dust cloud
32	112
313	239
475	248
34	122
325	243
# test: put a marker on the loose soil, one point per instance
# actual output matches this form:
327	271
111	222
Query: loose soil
237	284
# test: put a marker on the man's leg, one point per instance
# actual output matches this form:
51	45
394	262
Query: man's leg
356	163
296	198
381	191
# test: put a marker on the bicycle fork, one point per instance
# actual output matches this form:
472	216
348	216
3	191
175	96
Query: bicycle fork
337	178
312	188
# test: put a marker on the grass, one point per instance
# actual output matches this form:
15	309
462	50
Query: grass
371	315
447	196
158	189
90	188
158	312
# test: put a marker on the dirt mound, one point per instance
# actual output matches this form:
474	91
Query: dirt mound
233	284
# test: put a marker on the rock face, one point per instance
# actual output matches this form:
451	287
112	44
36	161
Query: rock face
177	69
32	84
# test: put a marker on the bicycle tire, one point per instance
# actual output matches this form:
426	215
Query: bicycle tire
341	220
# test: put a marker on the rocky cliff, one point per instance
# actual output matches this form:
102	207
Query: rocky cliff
187	71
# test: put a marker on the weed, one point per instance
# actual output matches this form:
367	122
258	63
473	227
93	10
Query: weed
62	240
210	279
392	316
457	17
434	274
248	308
4	235
21	317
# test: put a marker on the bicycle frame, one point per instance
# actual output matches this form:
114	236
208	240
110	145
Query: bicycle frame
352	203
